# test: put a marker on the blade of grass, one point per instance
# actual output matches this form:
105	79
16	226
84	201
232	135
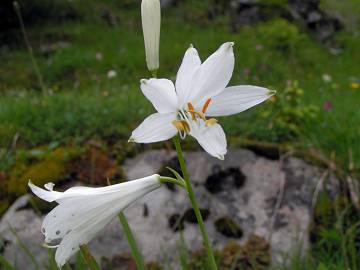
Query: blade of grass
89	259
132	242
24	247
80	264
5	263
52	264
184	253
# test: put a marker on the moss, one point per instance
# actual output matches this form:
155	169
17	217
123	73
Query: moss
228	227
125	261
94	167
254	255
51	167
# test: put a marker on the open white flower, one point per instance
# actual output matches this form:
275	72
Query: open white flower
200	91
83	211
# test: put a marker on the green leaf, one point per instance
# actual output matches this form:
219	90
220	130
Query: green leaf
5	263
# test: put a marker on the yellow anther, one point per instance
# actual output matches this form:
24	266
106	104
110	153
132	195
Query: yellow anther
191	110
210	122
181	125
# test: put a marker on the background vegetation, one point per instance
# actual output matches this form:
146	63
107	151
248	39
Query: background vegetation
90	57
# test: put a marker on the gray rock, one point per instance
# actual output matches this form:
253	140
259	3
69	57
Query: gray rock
269	198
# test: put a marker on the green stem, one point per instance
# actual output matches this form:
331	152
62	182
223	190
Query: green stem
194	204
164	179
89	259
154	73
133	246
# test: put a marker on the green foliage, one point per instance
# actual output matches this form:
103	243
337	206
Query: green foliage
287	114
280	35
336	230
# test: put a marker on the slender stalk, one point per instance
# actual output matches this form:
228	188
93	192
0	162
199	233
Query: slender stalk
164	179
195	205
154	73
88	258
133	246
29	47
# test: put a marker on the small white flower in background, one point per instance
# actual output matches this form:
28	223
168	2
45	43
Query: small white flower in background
99	56
111	74
199	92
151	20
326	78
83	212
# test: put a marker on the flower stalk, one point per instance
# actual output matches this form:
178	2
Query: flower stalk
206	241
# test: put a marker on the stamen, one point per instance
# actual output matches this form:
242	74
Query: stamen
48	246
210	122
191	110
201	115
206	105
181	125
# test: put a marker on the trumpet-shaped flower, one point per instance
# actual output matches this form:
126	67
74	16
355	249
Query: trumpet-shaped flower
199	93
151	20
83	212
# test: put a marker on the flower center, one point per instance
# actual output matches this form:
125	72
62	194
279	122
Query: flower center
190	116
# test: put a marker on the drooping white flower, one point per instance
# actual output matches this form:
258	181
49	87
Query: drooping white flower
151	20
83	212
200	91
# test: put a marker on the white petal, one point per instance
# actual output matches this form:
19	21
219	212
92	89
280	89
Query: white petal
190	64
236	99
46	195
211	138
161	93
80	236
214	74
155	128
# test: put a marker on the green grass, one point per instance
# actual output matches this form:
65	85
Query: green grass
84	103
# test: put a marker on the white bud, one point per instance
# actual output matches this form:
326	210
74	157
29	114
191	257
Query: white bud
151	18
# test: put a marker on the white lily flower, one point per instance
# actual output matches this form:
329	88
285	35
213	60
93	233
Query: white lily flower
200	91
151	20
83	212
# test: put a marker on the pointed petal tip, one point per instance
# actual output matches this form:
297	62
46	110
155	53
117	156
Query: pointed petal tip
272	93
144	81
221	157
131	140
191	46
228	45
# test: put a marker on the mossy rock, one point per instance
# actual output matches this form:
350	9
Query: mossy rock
51	168
228	227
254	255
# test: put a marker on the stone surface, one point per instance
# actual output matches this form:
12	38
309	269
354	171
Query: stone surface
268	198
